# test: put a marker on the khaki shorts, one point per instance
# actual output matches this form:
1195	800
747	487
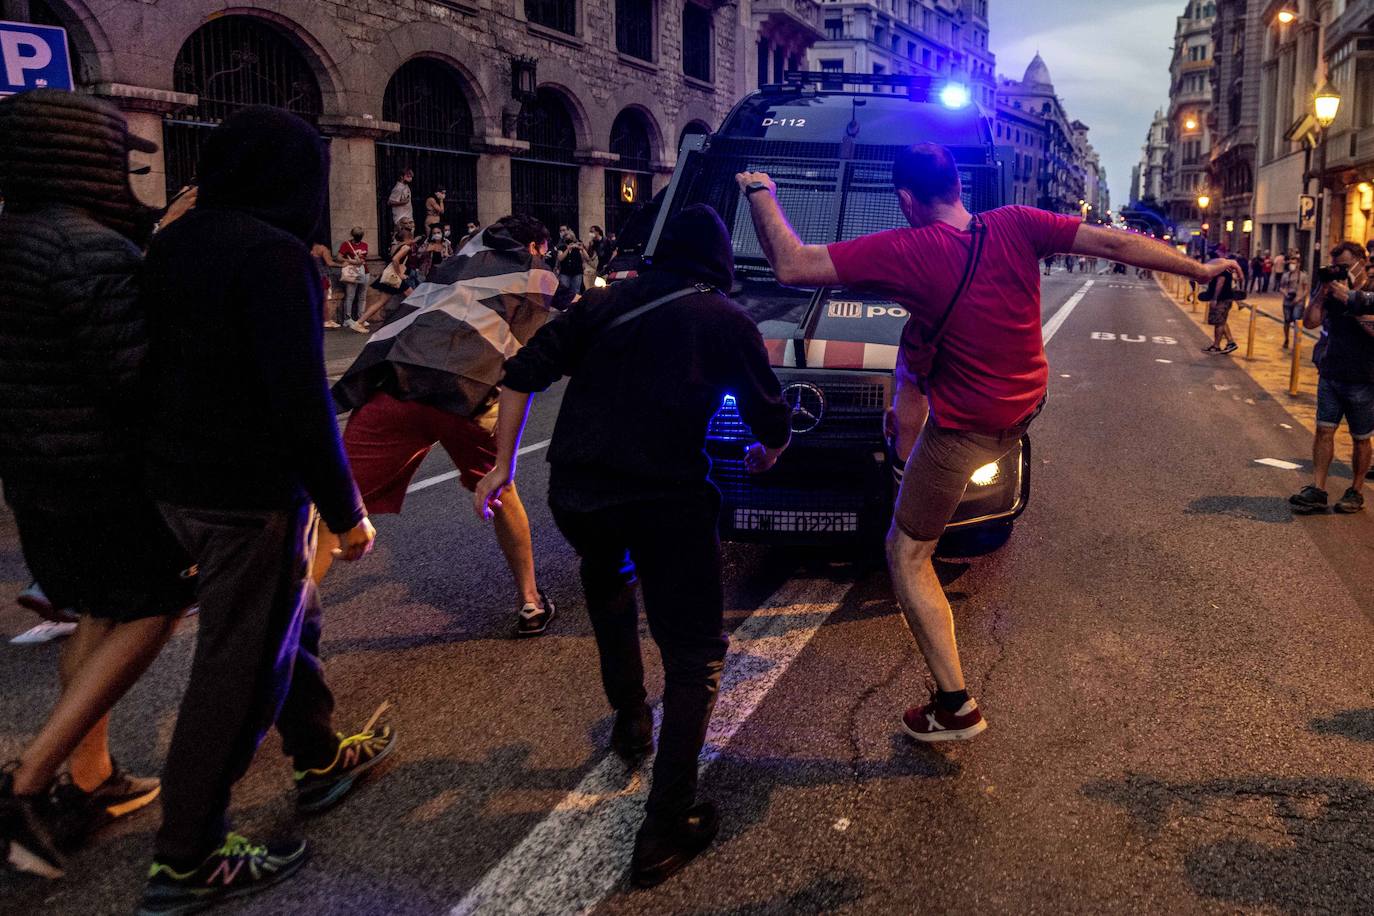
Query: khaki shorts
938	472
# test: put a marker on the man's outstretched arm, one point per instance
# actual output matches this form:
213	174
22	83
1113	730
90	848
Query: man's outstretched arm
794	263
1151	254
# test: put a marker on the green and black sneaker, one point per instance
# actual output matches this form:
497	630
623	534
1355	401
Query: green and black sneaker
320	789
235	869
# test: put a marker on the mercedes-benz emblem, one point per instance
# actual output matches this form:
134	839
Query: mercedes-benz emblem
807	403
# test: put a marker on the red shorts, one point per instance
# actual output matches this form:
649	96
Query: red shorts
386	440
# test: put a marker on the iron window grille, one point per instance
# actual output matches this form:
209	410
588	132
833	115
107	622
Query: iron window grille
554	14
634	28
697	39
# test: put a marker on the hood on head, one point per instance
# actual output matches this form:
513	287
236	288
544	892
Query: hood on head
269	163
64	148
695	244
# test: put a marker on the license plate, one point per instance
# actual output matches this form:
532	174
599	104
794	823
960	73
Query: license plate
791	522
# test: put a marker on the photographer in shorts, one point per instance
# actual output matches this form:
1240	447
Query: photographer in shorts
1345	367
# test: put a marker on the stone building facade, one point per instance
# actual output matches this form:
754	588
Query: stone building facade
1031	119
1237	39
442	86
1189	125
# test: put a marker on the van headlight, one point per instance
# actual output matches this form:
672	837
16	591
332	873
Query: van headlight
986	475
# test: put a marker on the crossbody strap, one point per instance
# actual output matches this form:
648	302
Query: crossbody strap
634	313
975	255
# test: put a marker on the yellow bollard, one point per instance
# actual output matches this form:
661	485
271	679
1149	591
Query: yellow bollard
1250	339
1296	368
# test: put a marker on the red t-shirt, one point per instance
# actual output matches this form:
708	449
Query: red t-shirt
991	371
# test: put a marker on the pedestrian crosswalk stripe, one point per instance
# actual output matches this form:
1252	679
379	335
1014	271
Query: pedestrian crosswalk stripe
570	861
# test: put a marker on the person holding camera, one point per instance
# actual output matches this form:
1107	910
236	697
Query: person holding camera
568	261
1345	375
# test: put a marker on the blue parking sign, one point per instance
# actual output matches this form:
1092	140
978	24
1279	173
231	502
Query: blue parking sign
33	57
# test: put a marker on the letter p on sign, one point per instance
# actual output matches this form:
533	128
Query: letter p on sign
33	57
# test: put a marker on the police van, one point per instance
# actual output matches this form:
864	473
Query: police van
830	148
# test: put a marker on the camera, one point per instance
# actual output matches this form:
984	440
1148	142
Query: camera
1333	273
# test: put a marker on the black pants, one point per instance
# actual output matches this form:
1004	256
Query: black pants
672	547
256	662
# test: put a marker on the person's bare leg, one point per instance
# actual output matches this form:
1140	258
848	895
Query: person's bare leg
105	665
325	546
1360	460
925	607
378	303
1323	449
513	536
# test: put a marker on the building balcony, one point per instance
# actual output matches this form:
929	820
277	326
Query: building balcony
1356	19
1350	149
789	20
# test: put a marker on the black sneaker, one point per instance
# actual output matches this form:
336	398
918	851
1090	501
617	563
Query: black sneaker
77	814
661	852
1351	501
1308	500
235	869
321	789
25	834
632	735
1229	348
533	620
1212	348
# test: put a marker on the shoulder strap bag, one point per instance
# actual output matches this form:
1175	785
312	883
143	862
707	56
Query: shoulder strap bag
919	361
634	313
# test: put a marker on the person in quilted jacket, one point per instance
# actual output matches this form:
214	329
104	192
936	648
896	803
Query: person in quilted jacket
72	345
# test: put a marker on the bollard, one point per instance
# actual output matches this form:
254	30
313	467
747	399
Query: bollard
1297	361
1250	339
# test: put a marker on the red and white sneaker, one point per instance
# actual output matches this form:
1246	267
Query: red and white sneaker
931	723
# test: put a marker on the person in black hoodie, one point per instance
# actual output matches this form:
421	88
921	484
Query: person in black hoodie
651	360
242	440
72	348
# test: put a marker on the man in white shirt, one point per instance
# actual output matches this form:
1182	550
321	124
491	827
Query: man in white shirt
399	201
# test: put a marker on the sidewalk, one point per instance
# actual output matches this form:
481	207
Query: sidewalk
1270	364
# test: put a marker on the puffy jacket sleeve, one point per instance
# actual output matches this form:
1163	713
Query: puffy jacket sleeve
95	288
287	357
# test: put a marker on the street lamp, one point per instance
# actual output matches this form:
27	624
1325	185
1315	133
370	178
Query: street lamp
1326	103
1190	124
1287	17
1203	201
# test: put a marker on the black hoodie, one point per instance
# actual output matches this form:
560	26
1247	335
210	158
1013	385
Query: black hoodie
633	421
242	417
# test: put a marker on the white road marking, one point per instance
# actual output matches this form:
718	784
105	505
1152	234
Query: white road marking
428	482
1065	375
1285	426
1278	463
572	858
1054	324
1158	360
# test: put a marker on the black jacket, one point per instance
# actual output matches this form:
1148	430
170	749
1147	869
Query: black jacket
633	420
242	417
71	332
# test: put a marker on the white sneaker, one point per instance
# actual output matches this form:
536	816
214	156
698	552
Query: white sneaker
44	632
331	324
358	326
34	600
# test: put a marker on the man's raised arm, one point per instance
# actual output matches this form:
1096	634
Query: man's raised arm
1142	251
794	263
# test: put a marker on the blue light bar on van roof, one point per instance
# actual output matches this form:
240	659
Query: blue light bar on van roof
955	96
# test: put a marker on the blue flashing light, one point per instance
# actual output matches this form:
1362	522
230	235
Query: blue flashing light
955	96
728	402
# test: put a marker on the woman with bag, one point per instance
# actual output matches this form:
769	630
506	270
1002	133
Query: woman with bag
393	282
353	253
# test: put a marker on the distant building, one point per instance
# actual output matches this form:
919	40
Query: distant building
1147	181
945	39
784	31
1030	119
1238	37
1188	126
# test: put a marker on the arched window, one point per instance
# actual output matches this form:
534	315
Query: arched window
427	99
629	184
544	179
41	13
231	63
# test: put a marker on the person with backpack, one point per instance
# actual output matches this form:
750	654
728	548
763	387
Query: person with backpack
651	360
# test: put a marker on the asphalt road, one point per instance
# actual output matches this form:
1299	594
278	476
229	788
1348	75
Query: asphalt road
1176	672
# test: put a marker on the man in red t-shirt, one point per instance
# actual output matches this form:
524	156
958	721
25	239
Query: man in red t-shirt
989	375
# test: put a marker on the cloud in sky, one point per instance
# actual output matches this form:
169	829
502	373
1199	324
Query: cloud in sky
1110	64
